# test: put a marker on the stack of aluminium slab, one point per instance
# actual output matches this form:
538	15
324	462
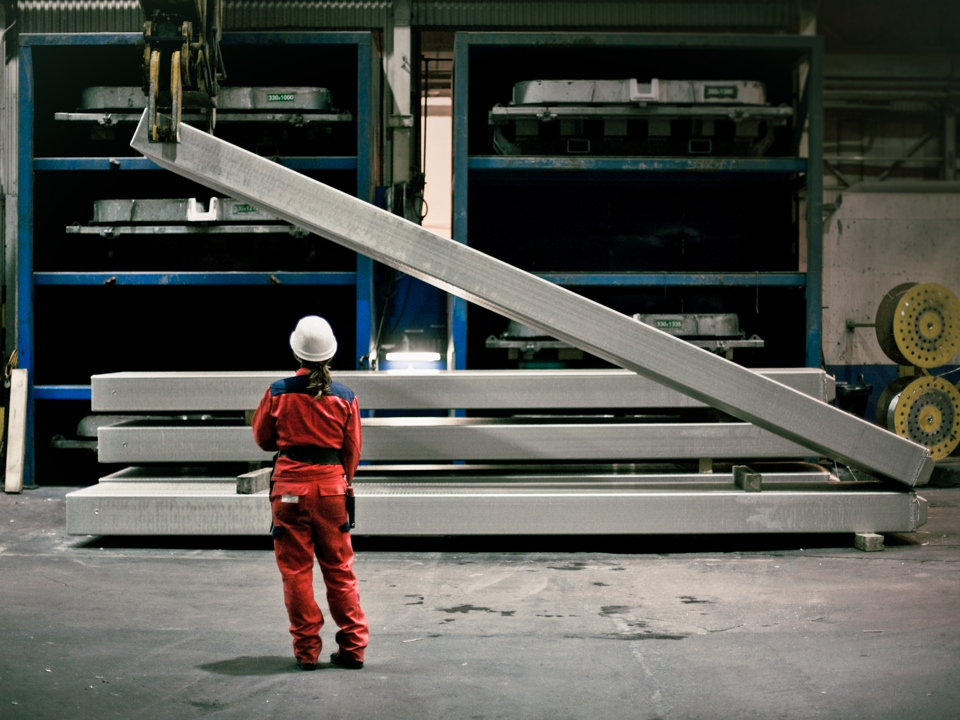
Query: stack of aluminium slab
591	452
803	426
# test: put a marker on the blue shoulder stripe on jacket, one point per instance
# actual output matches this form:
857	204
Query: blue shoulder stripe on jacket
342	391
295	384
298	385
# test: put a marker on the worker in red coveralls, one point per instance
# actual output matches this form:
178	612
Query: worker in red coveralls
314	424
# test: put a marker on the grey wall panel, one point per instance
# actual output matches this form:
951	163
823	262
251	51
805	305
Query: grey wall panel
488	389
520	296
440	439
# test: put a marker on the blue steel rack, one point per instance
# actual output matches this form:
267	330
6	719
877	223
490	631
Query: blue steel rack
363	164
469	169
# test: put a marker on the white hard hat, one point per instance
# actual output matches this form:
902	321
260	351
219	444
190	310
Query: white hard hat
313	339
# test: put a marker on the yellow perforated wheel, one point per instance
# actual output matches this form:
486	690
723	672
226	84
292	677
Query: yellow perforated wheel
919	324
925	410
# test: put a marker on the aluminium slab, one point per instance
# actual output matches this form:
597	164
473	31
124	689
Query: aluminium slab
422	390
438	439
782	474
216	509
532	301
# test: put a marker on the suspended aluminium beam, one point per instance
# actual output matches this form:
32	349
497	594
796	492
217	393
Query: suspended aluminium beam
534	302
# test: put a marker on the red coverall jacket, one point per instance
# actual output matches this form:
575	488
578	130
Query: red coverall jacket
290	415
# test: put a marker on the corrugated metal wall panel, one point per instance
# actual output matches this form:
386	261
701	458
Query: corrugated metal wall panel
55	16
758	14
77	16
49	16
264	14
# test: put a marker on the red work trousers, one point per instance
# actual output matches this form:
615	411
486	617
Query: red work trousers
308	523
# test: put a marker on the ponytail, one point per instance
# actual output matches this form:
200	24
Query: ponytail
320	380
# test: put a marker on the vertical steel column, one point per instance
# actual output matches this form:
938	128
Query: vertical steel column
814	291
366	143
24	289
456	306
399	65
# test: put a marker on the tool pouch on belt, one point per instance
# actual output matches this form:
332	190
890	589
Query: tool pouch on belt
351	512
275	532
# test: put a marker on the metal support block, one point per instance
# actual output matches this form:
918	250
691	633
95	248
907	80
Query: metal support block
746	479
440	439
254	482
868	542
531	301
139	392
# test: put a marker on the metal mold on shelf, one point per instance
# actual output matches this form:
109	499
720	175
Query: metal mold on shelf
228	98
107	105
177	210
610	92
625	117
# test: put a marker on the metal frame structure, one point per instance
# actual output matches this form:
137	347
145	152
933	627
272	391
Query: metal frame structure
367	119
520	296
467	167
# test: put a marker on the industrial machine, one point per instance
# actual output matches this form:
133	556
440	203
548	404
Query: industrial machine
181	216
777	421
627	117
182	65
718	332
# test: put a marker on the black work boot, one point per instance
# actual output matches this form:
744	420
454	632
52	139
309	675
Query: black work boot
345	662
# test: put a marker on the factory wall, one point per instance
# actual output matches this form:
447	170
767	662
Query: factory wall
873	242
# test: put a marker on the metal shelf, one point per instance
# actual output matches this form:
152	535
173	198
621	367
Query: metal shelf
61	392
361	166
783	166
194	278
475	169
338	162
648	279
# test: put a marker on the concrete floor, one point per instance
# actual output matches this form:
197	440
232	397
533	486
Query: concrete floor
795	627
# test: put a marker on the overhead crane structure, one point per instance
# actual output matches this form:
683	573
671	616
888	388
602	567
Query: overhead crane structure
809	425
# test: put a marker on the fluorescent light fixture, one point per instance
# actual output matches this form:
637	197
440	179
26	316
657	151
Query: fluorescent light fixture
413	357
